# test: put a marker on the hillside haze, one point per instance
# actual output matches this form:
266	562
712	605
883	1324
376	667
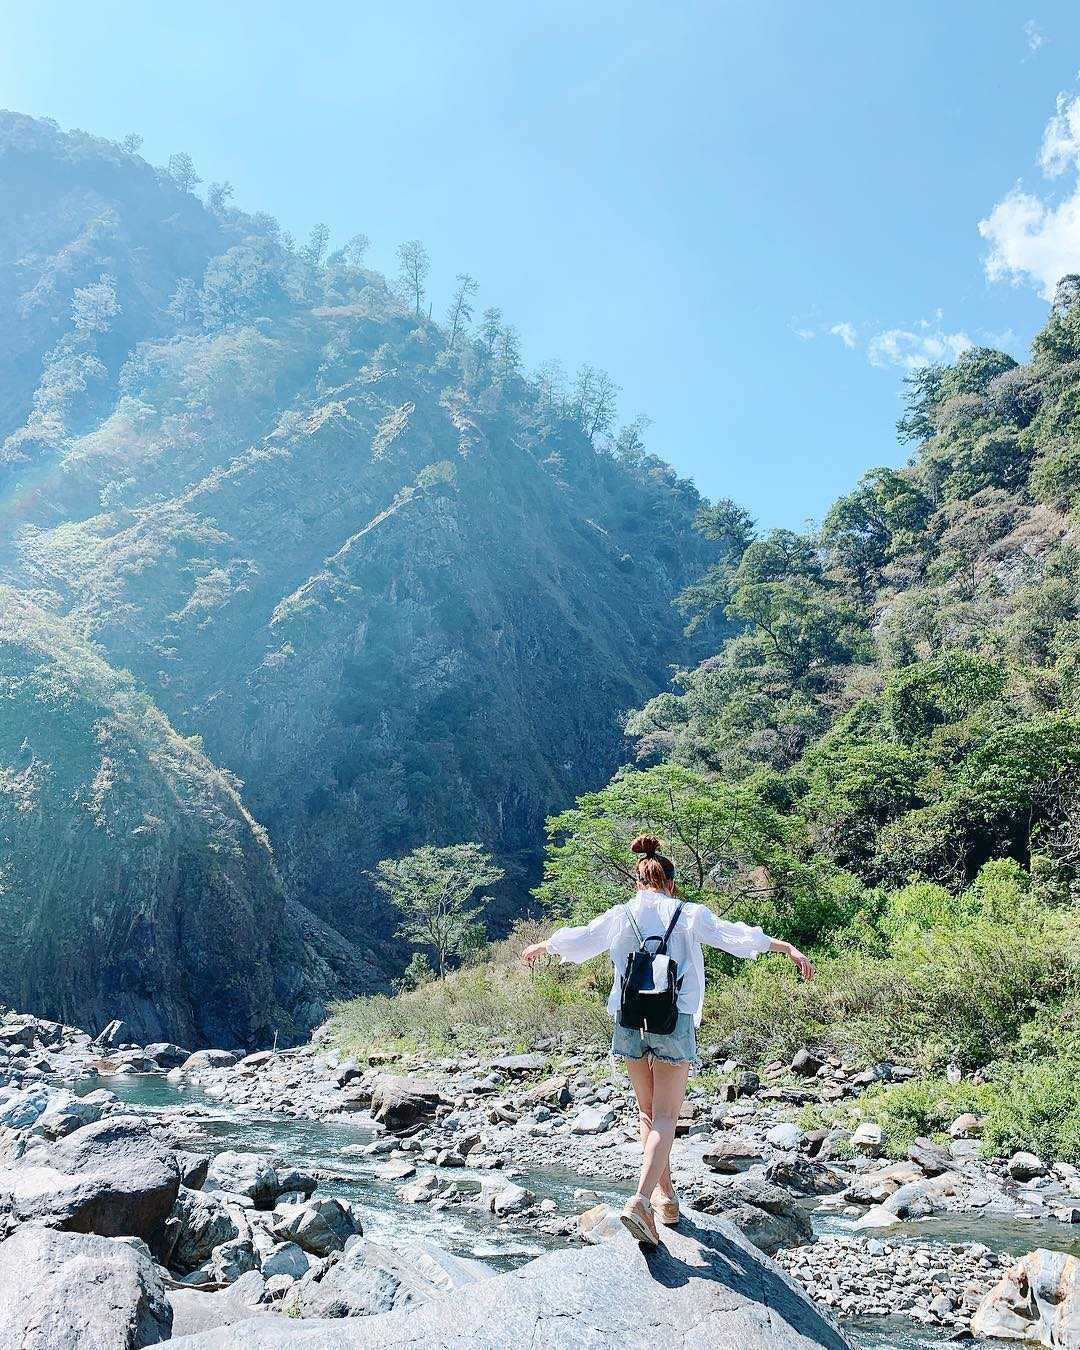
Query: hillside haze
377	585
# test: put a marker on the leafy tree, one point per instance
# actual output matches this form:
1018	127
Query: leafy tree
313	251
413	268
356	250
594	401
718	835
886	512
181	169
433	889
95	306
132	143
461	309
218	196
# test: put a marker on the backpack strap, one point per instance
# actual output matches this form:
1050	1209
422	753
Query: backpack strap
633	925
671	927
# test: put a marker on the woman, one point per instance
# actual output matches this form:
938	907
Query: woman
659	1065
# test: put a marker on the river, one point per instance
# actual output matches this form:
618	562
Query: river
316	1145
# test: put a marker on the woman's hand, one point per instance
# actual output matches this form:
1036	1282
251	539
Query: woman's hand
531	953
803	964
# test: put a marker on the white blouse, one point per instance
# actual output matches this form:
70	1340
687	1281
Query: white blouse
612	931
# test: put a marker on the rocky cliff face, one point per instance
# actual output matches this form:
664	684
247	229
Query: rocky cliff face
391	583
134	883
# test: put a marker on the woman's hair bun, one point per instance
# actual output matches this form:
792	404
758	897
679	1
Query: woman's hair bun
645	843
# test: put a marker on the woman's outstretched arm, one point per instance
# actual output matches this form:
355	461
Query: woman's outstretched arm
739	939
578	944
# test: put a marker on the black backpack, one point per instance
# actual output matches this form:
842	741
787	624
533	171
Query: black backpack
643	1006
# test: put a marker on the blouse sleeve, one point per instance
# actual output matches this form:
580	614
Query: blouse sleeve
738	939
581	944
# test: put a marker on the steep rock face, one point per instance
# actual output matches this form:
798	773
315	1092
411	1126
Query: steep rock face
134	884
393	585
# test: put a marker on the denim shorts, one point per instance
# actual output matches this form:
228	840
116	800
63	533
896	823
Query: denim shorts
680	1047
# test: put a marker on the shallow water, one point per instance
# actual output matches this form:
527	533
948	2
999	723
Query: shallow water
317	1144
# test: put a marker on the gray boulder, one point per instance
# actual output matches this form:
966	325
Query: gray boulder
66	1113
210	1059
249	1174
195	1310
369	1278
705	1285
112	1178
399	1102
166	1055
204	1222
1037	1301
76	1291
319	1226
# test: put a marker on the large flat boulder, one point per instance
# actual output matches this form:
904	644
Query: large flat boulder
398	1102
76	1291
1037	1302
706	1286
112	1177
369	1278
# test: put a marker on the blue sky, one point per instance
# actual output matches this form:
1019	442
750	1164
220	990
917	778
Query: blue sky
755	216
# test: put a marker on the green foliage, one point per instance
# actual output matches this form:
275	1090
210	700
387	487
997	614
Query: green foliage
433	889
919	1108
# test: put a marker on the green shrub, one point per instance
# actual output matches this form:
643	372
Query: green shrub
920	1107
1036	1107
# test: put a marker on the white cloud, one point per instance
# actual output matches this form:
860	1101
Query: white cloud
1034	36
913	348
845	332
1036	240
1060	147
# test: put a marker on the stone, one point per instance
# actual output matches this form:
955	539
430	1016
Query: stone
395	1171
21	1107
805	1064
319	1226
1037	1300
65	1113
369	1277
203	1222
868	1138
592	1120
511	1199
209	1059
966	1126
929	1157
77	1291
731	1155
166	1055
232	1259
1026	1167
705	1285
112	1178
786	1136
520	1064
250	1174
553	1090
115	1033
195	1310
286	1258
399	1102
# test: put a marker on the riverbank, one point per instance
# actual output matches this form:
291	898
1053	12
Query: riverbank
500	1158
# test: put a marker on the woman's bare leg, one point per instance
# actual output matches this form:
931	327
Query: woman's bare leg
641	1076
668	1091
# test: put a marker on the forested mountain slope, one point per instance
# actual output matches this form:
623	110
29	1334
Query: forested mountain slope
133	883
400	590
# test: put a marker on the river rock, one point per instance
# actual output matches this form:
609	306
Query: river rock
249	1174
520	1064
116	1032
805	1063
203	1223
1026	1167
511	1199
555	1090
966	1126
21	1107
66	1113
319	1226
706	1285
209	1059
167	1056
597	1224
593	1120
729	1156
930	1158
196	1310
368	1278
77	1291
868	1138
286	1258
1038	1300
112	1177
398	1102
786	1136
